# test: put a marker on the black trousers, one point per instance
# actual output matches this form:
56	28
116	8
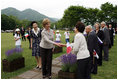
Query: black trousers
94	65
23	37
46	56
99	61
83	71
106	52
111	39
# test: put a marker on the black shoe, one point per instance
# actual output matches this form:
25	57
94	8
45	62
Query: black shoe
99	64
106	60
49	77
44	76
40	68
94	72
37	67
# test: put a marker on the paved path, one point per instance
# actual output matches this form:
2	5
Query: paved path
37	74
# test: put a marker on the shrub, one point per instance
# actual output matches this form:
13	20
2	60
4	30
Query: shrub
14	54
69	62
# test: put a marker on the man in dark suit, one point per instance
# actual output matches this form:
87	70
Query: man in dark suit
29	37
22	30
106	41
100	35
111	32
92	43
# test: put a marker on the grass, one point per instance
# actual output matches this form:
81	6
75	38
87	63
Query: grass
108	70
7	42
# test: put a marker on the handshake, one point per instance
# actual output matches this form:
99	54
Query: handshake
60	44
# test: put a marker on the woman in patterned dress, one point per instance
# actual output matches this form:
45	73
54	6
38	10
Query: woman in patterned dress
35	43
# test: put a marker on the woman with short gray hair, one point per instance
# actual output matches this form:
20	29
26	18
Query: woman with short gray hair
100	35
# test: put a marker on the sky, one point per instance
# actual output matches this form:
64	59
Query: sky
52	8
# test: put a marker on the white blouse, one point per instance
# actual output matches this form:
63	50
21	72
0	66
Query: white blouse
36	32
18	42
80	46
58	36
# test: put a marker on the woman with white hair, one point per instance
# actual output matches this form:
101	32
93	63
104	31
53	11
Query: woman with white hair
100	35
17	38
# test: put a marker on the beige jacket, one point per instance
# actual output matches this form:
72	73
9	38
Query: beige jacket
47	40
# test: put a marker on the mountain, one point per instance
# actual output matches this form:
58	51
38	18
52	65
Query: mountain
55	19
28	14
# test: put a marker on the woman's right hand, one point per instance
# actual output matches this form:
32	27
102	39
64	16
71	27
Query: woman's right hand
58	44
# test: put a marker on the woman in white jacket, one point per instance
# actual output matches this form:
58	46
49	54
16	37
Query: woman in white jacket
80	49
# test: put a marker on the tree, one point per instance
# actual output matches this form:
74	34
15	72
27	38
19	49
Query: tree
18	22
74	14
7	23
89	16
110	12
25	23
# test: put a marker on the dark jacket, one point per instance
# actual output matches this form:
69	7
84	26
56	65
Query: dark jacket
100	34
106	40
29	32
92	43
111	31
22	31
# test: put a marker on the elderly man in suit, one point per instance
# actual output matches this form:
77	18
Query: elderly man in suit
29	37
92	43
106	41
111	31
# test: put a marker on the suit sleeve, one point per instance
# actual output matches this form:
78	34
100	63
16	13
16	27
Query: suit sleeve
90	43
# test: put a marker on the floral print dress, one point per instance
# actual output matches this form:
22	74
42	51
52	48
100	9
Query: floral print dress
36	38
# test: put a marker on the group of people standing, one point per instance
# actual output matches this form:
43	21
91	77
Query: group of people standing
89	46
42	44
98	40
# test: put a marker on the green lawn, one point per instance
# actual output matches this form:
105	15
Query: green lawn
7	42
108	70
